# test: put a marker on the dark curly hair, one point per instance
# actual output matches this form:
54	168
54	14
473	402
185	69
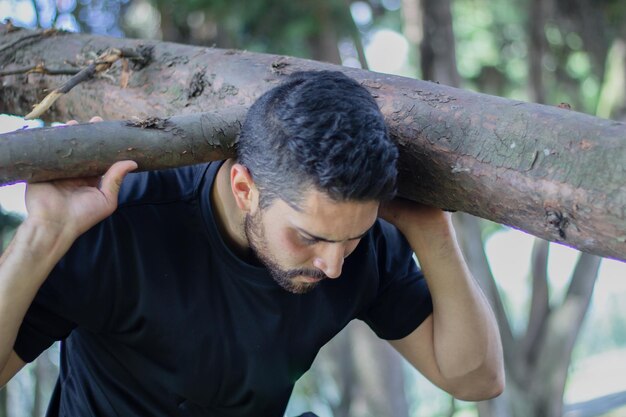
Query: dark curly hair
318	129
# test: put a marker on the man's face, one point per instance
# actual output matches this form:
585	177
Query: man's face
302	247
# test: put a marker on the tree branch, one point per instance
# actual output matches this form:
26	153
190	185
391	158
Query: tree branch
103	63
595	407
584	277
536	168
564	324
355	34
40	69
88	150
540	300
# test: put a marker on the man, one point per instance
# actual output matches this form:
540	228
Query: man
210	289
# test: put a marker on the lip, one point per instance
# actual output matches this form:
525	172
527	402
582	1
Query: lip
311	279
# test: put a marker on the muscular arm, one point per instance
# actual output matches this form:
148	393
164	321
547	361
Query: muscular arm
59	212
458	347
24	266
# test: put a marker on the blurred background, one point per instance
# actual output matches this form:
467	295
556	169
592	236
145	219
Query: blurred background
562	314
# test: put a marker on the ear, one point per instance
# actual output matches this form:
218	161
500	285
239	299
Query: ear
245	192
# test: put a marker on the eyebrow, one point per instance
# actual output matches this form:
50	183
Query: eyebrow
323	239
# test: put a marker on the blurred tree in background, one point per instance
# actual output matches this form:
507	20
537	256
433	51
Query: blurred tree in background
546	51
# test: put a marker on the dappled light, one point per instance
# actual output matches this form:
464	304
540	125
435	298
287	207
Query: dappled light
561	312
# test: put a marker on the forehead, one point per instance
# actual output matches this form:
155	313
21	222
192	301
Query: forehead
324	217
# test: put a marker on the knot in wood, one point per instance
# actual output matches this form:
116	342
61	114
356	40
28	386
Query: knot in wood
558	220
279	66
148	123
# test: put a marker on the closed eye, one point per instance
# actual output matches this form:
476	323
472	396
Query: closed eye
308	240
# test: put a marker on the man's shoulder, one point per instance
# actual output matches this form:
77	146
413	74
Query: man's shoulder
162	186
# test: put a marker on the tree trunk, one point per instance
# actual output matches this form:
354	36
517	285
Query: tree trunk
325	42
355	35
7	224
45	377
3	402
369	374
438	48
536	50
592	22
554	173
536	362
170	30
546	370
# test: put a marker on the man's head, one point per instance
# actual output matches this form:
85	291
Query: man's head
319	130
314	162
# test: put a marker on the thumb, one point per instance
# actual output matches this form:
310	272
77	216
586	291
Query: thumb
112	179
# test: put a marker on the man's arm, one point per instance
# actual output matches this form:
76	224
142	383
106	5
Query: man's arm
58	212
458	347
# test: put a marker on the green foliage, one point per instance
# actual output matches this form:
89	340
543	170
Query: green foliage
493	49
276	26
491	46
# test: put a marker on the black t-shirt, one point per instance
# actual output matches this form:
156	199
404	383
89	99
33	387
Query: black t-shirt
159	318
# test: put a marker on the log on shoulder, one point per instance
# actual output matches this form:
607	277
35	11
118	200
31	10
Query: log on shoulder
557	174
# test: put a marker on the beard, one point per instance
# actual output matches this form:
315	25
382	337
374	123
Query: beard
255	234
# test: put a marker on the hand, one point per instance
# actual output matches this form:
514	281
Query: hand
405	214
75	205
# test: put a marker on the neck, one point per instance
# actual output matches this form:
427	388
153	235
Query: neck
228	217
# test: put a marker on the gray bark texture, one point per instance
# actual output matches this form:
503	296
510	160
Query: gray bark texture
555	173
87	150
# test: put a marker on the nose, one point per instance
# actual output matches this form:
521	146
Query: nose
330	260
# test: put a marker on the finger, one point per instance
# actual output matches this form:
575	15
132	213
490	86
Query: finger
112	179
95	119
71	122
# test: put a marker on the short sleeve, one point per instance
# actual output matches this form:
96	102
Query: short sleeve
97	283
75	293
403	300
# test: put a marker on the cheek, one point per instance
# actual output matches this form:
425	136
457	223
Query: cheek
288	246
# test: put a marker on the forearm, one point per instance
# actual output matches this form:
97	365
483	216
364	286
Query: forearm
24	266
466	339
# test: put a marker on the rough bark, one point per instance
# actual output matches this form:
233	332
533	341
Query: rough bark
154	143
554	173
